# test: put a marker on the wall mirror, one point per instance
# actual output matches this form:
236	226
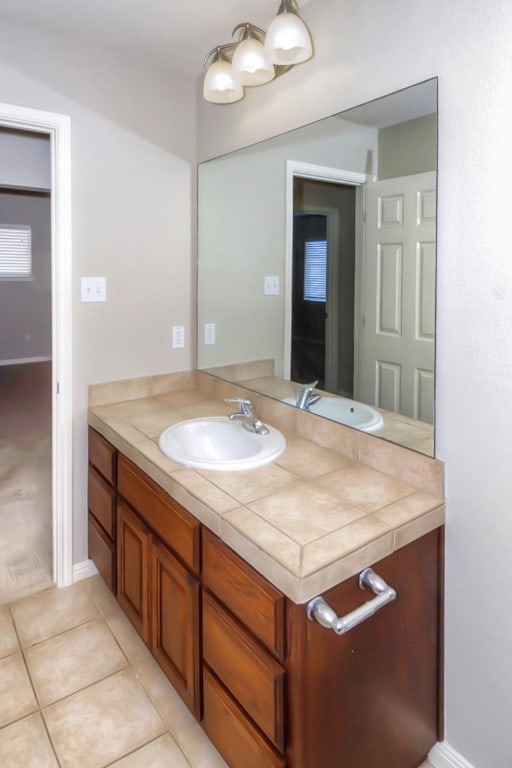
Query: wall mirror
317	262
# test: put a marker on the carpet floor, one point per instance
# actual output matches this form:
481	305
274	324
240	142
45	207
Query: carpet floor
25	480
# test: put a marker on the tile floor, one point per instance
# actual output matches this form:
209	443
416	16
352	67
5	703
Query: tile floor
79	689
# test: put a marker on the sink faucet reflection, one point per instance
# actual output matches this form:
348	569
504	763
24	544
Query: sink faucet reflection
247	415
306	396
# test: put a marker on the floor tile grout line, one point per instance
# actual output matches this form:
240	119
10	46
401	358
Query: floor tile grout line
62	632
38	710
142	746
157	708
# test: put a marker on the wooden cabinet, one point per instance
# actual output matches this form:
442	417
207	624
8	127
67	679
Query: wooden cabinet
271	688
287	689
175	624
102	506
246	669
147	548
232	732
133	568
250	597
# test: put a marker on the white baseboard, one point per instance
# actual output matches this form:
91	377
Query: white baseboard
442	755
84	570
20	360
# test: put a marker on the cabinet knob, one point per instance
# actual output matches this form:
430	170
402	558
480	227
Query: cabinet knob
320	611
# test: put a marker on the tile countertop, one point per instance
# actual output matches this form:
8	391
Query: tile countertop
335	502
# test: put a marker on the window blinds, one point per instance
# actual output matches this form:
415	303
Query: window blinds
15	252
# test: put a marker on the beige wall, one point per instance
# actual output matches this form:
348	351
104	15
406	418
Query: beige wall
408	148
132	143
242	236
365	49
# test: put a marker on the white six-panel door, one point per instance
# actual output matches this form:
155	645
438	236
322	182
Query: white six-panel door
396	353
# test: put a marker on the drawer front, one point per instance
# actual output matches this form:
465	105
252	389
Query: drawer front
102	501
250	674
233	734
173	524
258	605
102	455
101	552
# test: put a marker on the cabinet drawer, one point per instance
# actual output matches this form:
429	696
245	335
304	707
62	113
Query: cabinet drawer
102	501
101	552
259	605
173	524
102	455
236	738
251	675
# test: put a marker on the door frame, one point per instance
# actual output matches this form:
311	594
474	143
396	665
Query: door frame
317	173
58	128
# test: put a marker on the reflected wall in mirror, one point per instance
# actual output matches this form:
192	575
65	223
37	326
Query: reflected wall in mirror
316	264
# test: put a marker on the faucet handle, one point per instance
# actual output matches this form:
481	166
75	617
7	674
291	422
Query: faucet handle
246	405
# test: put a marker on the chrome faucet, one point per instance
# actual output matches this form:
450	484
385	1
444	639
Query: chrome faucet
306	396
247	415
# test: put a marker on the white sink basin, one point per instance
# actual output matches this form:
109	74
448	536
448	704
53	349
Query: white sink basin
216	442
345	411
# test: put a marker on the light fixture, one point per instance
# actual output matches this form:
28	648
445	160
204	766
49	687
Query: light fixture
288	40
251	61
219	85
257	57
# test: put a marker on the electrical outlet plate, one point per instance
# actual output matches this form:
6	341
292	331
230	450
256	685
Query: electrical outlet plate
178	336
209	333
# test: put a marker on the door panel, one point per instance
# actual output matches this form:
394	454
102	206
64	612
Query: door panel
133	548
397	339
175	624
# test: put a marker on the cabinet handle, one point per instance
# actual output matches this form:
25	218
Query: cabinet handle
318	610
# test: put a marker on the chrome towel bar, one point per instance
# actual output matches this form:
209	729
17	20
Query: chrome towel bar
318	610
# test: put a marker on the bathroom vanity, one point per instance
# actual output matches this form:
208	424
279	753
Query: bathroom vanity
271	687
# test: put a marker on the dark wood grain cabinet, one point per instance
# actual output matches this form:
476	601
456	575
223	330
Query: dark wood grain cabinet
133	568
175	624
102	479
271	688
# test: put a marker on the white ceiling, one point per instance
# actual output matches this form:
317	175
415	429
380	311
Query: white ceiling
416	101
165	33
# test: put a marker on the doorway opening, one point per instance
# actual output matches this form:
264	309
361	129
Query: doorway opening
323	287
58	129
25	368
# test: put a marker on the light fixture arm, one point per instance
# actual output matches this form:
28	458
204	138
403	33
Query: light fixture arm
250	31
218	53
287	6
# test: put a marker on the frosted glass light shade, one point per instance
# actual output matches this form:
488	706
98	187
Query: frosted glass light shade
251	63
288	40
219	85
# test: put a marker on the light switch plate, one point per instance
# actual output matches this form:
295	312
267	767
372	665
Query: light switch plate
93	289
271	285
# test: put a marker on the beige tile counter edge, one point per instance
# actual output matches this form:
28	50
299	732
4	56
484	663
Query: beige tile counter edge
314	568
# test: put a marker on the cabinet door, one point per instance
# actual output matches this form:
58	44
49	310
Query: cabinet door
175	624
133	563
